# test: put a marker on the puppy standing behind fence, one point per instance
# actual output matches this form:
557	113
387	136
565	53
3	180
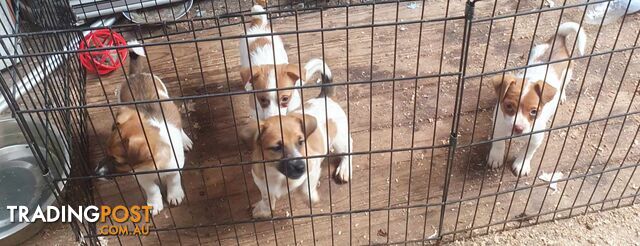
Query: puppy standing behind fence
158	124
298	135
527	98
265	65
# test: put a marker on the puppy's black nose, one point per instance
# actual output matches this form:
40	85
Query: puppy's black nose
293	169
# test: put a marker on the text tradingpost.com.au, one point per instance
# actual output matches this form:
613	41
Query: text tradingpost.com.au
140	216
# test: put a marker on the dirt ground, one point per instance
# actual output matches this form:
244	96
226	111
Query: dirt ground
405	116
616	227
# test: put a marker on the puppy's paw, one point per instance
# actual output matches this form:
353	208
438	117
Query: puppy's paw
496	158
175	195
521	167
343	172
156	206
313	196
563	98
261	210
187	143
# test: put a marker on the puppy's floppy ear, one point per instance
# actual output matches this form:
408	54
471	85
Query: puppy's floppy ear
308	124
293	71
502	83
130	152
246	75
125	114
545	91
251	133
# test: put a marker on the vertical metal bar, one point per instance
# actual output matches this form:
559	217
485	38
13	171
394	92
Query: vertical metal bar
326	114
453	138
435	123
348	123
393	106
373	19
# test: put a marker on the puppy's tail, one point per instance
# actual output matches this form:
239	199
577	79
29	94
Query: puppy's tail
136	65
314	66
258	20
568	28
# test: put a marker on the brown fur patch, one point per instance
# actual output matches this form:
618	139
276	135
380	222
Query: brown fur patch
544	91
256	22
528	104
308	123
258	43
501	84
508	89
333	129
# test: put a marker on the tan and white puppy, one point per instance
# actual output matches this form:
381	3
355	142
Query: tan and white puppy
265	65
148	138
527	102
315	133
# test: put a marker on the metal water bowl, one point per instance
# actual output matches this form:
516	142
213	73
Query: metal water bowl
22	180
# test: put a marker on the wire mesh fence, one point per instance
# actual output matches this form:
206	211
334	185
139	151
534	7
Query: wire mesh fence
422	86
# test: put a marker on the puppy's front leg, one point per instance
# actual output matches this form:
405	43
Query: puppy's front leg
152	192
343	145
496	156
567	79
522	164
262	209
187	143
310	186
175	194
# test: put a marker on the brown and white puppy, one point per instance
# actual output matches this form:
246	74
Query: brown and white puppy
527	102
265	65
142	138
285	148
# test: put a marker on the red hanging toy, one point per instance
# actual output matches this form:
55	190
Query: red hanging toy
102	61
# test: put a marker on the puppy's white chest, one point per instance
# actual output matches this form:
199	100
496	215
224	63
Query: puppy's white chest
172	136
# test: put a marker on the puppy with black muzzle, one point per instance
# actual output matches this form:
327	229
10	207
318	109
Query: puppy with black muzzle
284	143
147	138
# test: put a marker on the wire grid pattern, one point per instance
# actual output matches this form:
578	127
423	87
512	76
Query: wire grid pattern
412	77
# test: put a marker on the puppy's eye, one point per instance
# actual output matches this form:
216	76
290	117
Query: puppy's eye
264	102
300	142
277	148
510	107
533	112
